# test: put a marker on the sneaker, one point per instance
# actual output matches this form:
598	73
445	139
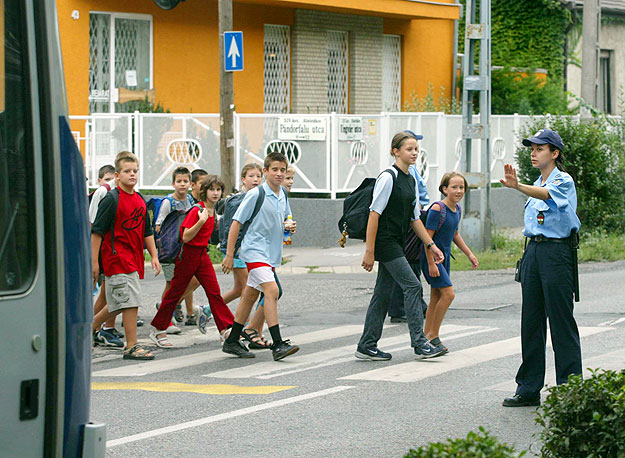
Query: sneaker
399	319
283	349
173	329
178	315
237	348
191	320
427	350
437	342
116	333
139	322
108	339
95	339
372	354
204	315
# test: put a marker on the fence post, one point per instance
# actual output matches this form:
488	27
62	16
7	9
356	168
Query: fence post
441	156
385	127
237	149
333	144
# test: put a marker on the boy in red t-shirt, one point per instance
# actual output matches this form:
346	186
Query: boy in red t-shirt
193	260
120	229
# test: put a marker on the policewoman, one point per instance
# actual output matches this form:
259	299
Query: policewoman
548	269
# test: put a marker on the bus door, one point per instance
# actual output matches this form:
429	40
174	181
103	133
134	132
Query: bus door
22	257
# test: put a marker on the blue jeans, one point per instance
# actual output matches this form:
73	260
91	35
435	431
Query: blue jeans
396	307
398	272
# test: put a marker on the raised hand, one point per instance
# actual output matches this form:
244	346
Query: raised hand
510	179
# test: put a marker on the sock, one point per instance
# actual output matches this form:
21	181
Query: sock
235	333
275	334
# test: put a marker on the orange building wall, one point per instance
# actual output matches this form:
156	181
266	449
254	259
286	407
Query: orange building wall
186	52
427	55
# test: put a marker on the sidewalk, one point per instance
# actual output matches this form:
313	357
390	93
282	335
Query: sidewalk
324	260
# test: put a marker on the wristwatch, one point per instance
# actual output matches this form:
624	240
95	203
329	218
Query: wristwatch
429	245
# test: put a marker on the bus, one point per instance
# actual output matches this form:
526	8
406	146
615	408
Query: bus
45	280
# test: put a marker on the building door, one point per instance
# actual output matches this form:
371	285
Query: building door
120	56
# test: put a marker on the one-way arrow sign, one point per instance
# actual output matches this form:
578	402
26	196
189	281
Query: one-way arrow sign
233	51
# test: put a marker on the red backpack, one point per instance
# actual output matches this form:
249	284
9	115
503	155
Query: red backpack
106	185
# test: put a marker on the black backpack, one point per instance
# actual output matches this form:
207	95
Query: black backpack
353	223
413	250
115	195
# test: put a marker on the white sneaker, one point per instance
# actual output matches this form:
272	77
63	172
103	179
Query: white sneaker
173	329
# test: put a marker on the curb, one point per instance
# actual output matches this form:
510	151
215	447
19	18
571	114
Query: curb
301	270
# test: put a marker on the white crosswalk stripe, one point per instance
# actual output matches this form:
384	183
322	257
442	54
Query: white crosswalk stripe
178	362
298	363
615	360
418	370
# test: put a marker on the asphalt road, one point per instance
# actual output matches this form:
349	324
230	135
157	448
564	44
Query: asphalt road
196	401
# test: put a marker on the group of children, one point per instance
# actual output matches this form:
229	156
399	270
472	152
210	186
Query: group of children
121	228
251	233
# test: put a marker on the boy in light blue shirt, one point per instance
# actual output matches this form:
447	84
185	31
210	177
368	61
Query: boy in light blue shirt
261	250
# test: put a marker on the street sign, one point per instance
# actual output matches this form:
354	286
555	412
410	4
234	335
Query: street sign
233	51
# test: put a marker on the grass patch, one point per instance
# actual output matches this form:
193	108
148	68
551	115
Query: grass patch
598	246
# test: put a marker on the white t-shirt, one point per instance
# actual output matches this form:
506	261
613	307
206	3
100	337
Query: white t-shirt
98	195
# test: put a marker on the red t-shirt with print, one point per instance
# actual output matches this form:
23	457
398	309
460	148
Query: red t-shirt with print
130	230
204	234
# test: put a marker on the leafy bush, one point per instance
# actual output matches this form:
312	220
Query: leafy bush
585	418
594	155
476	445
526	94
449	105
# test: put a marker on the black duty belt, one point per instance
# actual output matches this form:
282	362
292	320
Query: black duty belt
542	238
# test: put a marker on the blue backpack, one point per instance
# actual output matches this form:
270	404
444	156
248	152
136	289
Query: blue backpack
169	241
154	206
413	248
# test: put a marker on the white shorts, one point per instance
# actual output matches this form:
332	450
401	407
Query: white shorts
256	277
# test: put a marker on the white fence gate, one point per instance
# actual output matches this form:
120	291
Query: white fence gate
330	153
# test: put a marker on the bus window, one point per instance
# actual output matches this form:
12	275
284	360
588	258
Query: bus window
17	177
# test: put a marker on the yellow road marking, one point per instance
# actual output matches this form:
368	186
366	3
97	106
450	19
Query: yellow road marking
166	387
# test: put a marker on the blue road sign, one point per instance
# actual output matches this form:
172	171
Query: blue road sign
233	51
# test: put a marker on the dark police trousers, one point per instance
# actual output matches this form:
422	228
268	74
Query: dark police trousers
547	286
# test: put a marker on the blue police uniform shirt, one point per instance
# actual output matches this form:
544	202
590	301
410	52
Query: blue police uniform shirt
424	198
558	211
263	239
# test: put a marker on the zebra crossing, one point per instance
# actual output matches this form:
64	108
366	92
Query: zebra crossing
395	372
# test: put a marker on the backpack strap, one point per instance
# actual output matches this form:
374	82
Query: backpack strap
259	203
115	195
443	215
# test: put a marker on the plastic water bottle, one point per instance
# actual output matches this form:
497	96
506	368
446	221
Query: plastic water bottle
287	232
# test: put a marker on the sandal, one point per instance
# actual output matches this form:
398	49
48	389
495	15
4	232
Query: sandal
162	342
139	353
256	341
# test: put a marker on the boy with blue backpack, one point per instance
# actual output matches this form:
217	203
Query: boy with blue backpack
178	202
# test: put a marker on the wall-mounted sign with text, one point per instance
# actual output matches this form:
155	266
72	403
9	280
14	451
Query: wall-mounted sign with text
302	128
350	129
99	95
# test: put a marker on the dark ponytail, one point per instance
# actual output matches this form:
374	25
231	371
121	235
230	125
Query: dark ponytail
559	160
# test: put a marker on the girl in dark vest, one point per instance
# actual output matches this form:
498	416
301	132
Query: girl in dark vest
393	212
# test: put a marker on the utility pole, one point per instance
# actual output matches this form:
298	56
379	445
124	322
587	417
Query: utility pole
476	225
226	101
591	25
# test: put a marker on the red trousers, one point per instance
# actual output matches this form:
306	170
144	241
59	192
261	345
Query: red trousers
194	261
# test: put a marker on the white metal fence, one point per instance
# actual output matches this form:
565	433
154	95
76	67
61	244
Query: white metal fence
331	153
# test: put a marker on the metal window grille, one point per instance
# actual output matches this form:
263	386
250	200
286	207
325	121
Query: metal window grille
338	55
131	38
277	76
99	63
391	73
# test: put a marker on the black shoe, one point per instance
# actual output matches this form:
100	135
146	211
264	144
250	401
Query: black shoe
283	349
237	349
399	319
117	334
520	401
427	350
372	354
139	322
437	341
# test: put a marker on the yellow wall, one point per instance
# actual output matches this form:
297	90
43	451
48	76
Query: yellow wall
186	54
427	55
